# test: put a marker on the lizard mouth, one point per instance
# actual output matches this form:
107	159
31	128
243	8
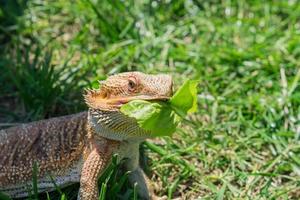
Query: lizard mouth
115	103
118	102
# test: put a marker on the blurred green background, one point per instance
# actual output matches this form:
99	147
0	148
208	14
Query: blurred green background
244	141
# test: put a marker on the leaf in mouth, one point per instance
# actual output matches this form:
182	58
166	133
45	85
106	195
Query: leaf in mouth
162	118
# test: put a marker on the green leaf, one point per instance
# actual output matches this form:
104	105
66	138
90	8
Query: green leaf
158	118
185	99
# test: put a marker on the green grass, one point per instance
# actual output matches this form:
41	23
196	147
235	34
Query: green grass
244	141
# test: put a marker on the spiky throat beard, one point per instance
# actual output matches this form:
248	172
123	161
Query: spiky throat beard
115	126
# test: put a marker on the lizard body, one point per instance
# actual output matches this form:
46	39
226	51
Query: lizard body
78	148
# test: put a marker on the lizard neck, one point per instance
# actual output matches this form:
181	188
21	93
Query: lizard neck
114	125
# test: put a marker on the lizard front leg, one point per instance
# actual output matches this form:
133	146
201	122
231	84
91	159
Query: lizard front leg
138	176
92	168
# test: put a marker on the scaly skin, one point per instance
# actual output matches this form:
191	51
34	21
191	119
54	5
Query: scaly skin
78	148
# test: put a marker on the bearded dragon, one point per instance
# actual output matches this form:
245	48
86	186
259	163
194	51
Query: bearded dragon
79	147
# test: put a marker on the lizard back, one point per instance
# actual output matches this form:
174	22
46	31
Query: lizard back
52	144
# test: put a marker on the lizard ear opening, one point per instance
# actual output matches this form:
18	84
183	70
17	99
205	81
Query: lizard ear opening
98	99
103	94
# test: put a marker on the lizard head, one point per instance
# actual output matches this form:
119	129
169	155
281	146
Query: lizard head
104	103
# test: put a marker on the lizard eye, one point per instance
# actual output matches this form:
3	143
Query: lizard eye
132	84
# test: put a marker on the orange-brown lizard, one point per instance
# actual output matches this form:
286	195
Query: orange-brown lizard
78	148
